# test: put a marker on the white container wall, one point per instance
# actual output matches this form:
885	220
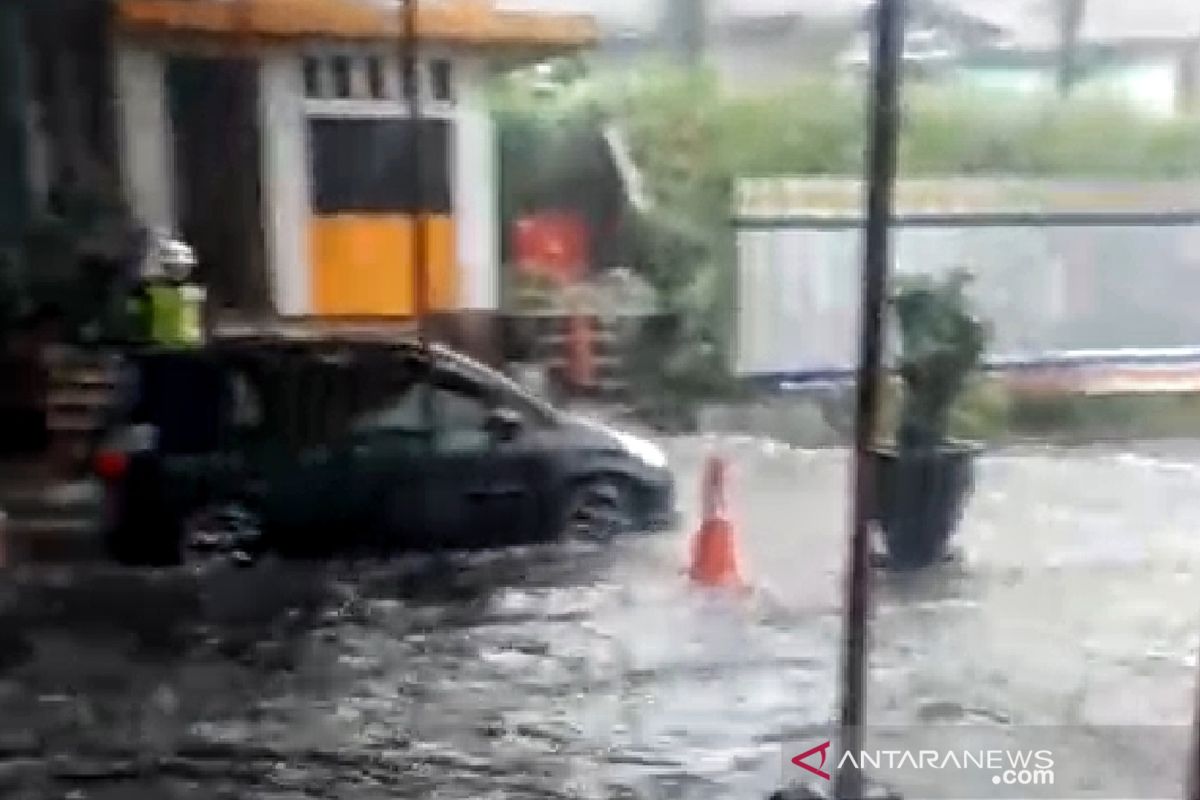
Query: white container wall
1046	289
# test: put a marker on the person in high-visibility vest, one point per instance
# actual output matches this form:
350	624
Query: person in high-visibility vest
168	307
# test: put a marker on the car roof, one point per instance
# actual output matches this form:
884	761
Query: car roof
471	369
442	357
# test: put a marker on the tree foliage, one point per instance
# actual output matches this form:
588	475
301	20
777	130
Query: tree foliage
942	345
692	140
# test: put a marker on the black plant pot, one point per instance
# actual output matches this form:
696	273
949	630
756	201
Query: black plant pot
920	495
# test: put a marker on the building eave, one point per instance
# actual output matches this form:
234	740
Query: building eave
472	23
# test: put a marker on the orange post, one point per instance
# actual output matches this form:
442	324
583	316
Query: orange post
580	352
714	548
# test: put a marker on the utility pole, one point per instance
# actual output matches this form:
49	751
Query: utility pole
1070	24
411	90
685	27
880	178
1193	786
14	179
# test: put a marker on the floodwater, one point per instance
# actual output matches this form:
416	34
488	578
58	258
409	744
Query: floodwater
597	672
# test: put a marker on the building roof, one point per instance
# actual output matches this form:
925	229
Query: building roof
466	22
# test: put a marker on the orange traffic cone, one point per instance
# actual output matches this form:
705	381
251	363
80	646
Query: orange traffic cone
714	548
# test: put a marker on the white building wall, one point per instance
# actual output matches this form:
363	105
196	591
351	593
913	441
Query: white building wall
476	192
148	169
285	198
146	135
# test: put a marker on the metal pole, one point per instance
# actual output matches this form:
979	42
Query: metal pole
14	184
881	176
410	65
1193	787
685	24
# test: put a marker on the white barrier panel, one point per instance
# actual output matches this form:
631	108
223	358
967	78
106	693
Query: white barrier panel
1045	289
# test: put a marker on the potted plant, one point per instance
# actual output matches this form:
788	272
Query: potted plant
923	481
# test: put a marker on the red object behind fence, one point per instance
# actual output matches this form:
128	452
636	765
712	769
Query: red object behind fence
552	244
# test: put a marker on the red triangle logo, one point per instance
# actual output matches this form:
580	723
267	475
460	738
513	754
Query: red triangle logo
823	749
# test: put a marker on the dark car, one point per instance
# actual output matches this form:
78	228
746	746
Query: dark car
451	455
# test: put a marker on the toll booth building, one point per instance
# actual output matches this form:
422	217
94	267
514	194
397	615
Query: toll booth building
276	137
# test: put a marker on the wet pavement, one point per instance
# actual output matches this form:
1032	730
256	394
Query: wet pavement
596	671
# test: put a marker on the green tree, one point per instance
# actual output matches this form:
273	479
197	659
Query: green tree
692	141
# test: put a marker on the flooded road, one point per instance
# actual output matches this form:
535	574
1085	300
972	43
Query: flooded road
597	672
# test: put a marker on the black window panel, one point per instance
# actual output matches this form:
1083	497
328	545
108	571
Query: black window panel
375	81
312	76
342	84
367	165
441	79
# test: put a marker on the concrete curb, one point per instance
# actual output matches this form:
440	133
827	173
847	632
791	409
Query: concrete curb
49	541
50	522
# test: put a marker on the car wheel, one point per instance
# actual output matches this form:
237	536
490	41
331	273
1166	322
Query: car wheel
227	531
148	537
597	511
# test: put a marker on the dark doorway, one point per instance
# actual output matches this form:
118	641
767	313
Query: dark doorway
218	168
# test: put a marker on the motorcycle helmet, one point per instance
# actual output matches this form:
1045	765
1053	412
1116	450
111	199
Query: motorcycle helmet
176	259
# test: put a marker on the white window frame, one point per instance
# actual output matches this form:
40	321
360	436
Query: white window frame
393	104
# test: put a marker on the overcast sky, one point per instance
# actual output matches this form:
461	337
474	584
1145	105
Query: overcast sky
1105	18
646	12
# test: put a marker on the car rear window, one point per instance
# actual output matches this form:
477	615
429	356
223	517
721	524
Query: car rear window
185	398
201	402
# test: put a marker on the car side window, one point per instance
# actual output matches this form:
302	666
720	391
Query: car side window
461	420
246	401
403	413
